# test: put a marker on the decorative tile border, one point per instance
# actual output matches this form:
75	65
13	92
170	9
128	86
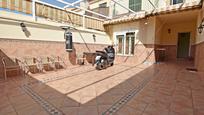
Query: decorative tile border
119	104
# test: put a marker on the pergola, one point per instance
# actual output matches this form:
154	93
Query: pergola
74	5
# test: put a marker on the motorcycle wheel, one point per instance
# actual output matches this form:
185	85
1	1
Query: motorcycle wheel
99	67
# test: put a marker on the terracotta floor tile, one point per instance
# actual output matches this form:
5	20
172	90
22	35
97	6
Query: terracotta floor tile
103	108
85	91
88	101
156	110
30	110
67	102
180	109
88	110
70	110
128	111
139	105
7	110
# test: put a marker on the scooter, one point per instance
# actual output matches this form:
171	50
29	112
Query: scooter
105	58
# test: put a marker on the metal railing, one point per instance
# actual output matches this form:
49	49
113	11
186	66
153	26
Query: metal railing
24	6
52	13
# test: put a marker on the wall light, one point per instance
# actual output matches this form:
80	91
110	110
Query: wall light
23	26
169	30
201	26
94	37
25	30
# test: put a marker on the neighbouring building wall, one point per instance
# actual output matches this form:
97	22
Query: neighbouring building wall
144	39
118	9
146	5
199	60
96	4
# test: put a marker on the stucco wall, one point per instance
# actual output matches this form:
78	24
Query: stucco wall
20	49
169	40
199	60
158	30
44	38
172	37
145	33
144	39
12	29
43	29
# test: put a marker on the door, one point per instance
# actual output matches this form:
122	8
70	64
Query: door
183	45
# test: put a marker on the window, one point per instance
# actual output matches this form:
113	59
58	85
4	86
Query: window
120	42
125	44
103	5
135	5
177	1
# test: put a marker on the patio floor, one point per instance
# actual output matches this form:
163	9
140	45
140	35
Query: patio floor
159	89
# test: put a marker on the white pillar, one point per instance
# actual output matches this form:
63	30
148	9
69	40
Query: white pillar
84	26
33	10
111	9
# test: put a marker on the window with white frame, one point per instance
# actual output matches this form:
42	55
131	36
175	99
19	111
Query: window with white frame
125	43
135	5
177	1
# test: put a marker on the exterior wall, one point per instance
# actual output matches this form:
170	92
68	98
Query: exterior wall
118	10
44	30
199	60
146	5
44	38
33	48
145	33
169	40
96	4
144	39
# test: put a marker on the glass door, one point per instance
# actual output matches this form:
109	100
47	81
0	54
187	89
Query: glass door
120	44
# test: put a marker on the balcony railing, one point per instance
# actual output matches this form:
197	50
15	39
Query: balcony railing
24	6
52	13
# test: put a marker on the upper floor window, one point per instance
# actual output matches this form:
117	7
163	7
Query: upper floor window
135	5
103	5
177	1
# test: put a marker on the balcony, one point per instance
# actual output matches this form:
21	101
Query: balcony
52	13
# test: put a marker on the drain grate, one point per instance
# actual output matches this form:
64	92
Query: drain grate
46	105
115	107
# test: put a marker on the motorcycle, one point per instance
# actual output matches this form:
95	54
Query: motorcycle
105	58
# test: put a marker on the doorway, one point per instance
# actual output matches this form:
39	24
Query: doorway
183	45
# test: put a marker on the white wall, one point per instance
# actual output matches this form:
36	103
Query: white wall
146	5
200	37
46	30
145	32
120	10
